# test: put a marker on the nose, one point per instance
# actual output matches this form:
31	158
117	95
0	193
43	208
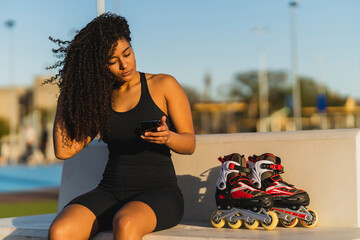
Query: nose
122	65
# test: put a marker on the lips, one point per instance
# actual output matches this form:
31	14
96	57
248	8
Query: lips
126	73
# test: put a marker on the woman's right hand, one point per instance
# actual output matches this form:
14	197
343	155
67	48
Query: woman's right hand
64	147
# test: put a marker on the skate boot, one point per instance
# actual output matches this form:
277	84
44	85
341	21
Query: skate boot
289	202
238	200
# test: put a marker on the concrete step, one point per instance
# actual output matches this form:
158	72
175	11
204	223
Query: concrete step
36	227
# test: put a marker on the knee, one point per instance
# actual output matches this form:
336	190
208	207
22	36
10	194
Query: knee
124	224
59	230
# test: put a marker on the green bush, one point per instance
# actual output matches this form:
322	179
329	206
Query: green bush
18	209
4	127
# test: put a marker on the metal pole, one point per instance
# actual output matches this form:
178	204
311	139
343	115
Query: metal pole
321	91
296	94
100	7
263	83
10	24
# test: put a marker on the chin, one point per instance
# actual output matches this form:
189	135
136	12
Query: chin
127	78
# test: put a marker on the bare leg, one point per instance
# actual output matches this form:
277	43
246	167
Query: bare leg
73	222
133	221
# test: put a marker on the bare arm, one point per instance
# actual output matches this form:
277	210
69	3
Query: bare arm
63	151
183	140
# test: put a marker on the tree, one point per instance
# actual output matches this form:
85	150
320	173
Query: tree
192	95
309	91
246	88
4	127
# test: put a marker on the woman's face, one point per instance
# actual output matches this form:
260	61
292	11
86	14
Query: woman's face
122	63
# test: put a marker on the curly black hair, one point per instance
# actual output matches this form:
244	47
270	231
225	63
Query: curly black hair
85	81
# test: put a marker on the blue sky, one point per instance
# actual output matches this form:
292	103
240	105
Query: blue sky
188	38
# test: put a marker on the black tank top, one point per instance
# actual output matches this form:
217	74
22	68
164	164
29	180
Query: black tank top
135	165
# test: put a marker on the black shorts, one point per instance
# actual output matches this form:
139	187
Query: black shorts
166	202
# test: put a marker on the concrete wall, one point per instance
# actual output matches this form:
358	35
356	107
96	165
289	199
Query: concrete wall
324	163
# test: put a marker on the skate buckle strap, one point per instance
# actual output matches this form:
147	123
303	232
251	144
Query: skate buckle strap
232	166
243	169
277	167
276	178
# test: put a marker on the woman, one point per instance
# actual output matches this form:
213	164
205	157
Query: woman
102	94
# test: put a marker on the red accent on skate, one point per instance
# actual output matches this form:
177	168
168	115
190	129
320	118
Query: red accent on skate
251	159
277	209
276	167
296	214
276	178
269	155
241	194
222	196
302	216
231	166
276	192
221	159
234	179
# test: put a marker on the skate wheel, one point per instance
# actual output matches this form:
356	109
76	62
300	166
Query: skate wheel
312	222
289	224
218	223
251	225
273	223
235	225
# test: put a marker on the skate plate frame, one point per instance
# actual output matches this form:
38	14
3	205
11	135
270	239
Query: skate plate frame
246	215
288	214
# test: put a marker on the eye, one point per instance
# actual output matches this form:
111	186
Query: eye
126	55
112	61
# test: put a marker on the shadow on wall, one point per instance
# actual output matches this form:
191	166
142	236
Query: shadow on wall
199	194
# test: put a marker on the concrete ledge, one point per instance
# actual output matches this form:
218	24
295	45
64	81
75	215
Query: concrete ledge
325	163
21	228
36	228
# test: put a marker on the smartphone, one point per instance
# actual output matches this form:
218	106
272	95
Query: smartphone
149	125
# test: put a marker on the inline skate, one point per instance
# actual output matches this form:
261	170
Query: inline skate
238	200
289	202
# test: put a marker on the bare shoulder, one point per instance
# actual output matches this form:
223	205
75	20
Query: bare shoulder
164	84
161	80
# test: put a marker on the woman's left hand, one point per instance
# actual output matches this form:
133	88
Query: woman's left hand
161	136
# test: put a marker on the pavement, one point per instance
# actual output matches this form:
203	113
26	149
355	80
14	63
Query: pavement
35	228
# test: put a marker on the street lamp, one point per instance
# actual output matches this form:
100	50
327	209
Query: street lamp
263	82
10	24
296	94
100	7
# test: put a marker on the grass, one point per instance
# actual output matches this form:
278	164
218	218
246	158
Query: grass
18	209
